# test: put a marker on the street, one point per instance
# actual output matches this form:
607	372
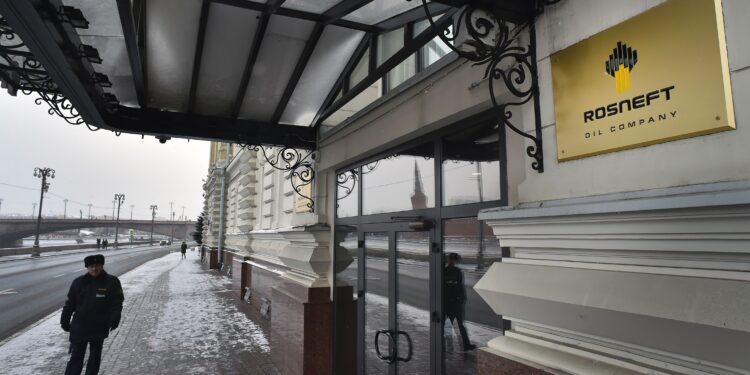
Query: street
32	288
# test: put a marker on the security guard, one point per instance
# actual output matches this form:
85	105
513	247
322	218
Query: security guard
95	303
454	297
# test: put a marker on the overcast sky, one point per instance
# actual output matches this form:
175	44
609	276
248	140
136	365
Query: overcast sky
92	166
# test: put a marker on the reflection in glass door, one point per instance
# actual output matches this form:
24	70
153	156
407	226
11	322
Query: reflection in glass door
413	307
409	320
378	341
397	303
469	249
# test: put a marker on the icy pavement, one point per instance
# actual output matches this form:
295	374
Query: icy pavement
177	319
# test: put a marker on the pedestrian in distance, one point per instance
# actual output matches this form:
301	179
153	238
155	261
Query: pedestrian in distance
454	295
95	304
104	244
98	243
183	249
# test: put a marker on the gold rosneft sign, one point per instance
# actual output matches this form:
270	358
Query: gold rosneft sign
659	76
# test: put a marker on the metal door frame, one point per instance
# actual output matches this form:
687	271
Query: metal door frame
383	222
393	228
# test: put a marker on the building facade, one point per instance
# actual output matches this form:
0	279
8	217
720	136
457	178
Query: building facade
629	258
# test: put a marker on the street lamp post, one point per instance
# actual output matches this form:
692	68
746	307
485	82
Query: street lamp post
153	215
42	173
171	223
33	209
1	203
119	198
65	210
131	212
90	210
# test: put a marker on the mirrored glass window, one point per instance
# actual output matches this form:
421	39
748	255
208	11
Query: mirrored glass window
471	166
348	194
400	182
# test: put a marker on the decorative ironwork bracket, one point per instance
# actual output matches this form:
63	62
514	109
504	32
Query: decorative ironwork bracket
299	166
21	71
493	42
348	180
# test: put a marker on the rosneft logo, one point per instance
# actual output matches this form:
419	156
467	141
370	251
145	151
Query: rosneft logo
621	62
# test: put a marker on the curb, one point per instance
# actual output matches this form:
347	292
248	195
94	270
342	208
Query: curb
68	252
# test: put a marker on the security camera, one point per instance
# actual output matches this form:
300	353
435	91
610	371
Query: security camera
163	139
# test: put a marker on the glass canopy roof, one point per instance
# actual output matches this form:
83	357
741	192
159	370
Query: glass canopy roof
201	48
178	65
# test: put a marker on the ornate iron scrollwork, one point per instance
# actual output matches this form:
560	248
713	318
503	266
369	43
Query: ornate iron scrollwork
494	43
347	182
298	165
21	71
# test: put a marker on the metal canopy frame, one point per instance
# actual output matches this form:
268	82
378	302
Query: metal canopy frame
144	121
205	7
378	71
54	43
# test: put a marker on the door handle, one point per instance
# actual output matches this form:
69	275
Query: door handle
389	358
411	347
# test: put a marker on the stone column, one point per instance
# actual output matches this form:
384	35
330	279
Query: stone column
302	308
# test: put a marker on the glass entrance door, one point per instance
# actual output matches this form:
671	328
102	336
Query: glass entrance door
396	291
413	302
378	341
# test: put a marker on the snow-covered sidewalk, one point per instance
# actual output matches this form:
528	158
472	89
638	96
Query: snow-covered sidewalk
177	319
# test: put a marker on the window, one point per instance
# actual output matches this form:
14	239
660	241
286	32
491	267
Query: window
433	50
400	182
471	165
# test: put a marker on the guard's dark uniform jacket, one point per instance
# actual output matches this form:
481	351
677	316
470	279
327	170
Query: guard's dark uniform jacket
454	292
95	304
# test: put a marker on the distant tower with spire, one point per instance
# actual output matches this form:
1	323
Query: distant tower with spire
418	199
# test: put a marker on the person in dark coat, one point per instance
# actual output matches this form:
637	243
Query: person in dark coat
95	304
104	244
183	249
454	295
98	243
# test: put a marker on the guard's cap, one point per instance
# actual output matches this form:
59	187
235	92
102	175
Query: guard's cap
93	259
454	256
